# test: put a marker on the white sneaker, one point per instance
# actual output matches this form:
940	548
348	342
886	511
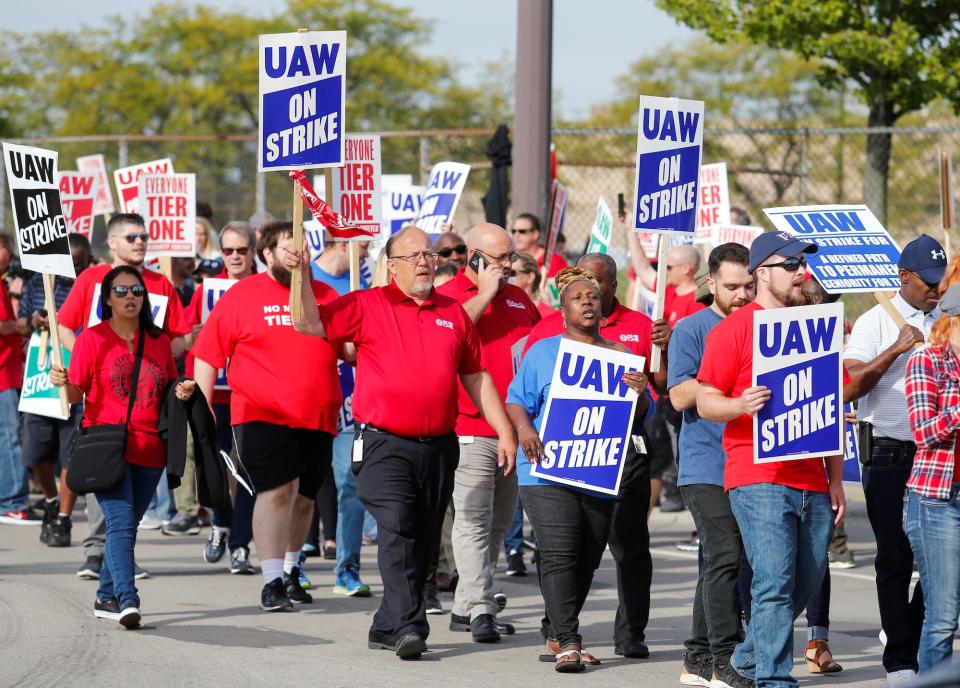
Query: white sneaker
129	618
150	523
896	678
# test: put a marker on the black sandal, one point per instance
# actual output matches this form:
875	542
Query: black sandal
570	666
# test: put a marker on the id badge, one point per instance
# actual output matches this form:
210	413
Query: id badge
358	449
638	444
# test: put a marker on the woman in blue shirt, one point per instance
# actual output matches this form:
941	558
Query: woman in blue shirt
571	524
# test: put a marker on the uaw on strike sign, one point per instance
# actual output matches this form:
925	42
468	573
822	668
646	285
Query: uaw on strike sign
303	79
796	354
588	417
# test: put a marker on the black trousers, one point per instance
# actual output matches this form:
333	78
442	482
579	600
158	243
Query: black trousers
406	485
630	547
572	529
716	614
884	484
324	511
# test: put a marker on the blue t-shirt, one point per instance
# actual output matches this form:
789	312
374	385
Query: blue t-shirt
530	389
701	441
340	283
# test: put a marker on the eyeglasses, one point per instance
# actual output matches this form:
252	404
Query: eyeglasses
460	250
790	264
520	231
505	258
414	258
132	238
121	290
243	250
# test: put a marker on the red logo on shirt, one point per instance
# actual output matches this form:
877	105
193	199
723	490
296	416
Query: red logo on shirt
153	380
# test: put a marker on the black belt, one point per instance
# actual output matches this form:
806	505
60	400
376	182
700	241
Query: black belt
365	427
890	442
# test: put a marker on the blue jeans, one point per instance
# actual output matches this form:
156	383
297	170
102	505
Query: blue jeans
933	528
162	504
349	506
786	533
123	506
513	538
14	487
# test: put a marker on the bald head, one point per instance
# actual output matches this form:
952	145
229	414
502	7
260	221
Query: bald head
495	247
683	261
604	268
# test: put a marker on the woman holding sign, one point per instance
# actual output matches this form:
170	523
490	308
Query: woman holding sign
102	367
571	523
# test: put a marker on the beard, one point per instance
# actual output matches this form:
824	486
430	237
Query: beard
790	297
281	274
727	307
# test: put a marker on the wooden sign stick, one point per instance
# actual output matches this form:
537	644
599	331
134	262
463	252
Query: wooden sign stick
883	298
296	277
42	354
51	307
166	266
946	200
659	303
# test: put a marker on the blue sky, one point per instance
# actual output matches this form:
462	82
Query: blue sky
594	41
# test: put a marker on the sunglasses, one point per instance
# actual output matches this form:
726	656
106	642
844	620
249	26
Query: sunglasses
520	231
790	264
460	250
243	250
132	238
120	290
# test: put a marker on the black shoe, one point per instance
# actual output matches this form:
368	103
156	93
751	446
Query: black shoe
60	528
515	565
91	568
329	552
182	524
635	650
671	505
725	676
462	624
484	629
216	545
50	511
240	562
431	601
106	610
409	646
291	586
696	672
273	597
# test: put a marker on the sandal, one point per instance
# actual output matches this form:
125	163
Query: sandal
589	659
569	662
822	660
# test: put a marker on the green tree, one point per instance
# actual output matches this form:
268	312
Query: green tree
896	55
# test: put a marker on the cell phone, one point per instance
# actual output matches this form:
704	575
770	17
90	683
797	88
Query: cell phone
621	206
476	262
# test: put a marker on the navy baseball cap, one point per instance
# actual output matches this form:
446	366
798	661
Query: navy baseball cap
926	257
770	243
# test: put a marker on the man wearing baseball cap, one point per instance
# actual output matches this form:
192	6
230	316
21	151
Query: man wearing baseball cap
876	360
785	510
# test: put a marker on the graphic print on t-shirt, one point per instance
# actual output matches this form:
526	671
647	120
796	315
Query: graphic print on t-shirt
153	380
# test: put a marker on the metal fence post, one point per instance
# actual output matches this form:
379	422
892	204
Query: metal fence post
424	159
122	153
261	191
804	142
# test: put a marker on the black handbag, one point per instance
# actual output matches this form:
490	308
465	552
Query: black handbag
96	461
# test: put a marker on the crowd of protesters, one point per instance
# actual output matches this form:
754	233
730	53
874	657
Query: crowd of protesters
393	414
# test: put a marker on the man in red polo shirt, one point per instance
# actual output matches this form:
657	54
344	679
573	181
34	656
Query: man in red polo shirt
284	403
629	537
413	345
485	494
786	510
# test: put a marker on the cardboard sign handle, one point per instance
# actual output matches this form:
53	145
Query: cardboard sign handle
42	354
883	298
659	304
51	307
296	277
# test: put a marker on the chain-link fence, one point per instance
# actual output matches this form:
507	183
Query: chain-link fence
766	167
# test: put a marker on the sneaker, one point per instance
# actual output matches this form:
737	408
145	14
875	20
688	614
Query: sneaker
725	676
91	568
49	511
182	524
515	565
150	522
216	545
305	582
140	573
59	534
310	549
901	677
842	561
696	673
691	545
292	588
240	562
129	618
21	517
273	597
431	601
348	583
106	610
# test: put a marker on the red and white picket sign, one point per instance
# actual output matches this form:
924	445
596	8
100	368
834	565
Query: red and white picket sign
93	164
127	180
78	192
714	206
169	205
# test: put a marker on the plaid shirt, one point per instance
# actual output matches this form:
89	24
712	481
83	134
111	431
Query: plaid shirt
933	400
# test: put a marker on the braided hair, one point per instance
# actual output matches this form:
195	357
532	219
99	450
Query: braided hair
569	275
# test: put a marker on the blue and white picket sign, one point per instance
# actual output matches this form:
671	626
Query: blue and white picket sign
588	417
851	451
855	253
401	203
303	86
669	147
796	354
347	383
441	195
213	290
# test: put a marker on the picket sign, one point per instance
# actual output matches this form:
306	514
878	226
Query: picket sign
441	196
558	208
127	181
851	453
50	305
714	206
103	202
602	230
78	193
213	289
38	395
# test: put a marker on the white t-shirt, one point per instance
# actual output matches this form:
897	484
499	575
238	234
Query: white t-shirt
885	406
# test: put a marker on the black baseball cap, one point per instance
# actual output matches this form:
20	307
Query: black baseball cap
926	257
770	243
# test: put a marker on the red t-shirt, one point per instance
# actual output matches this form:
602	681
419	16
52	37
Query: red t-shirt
677	306
507	319
545	309
102	366
557	263
11	346
728	365
277	375
77	311
409	357
624	325
193	315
